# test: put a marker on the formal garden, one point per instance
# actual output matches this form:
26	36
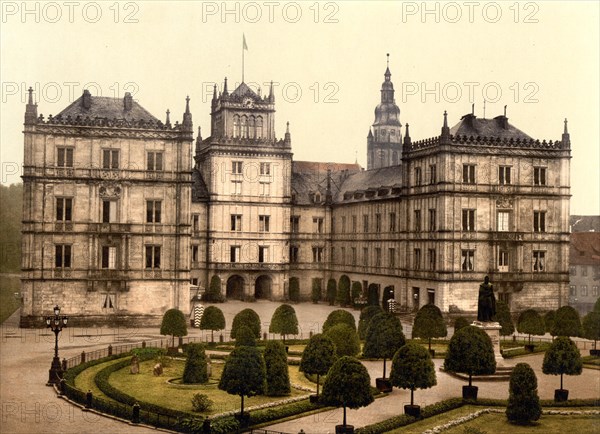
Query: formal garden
244	381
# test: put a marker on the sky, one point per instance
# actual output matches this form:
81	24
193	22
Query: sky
327	60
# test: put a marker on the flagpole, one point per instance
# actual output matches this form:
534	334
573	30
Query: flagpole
243	60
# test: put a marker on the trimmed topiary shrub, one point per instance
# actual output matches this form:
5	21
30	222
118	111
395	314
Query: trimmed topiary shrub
504	317
567	322
284	321
429	323
366	315
343	292
174	324
201	403
331	291
318	356
470	351
384	338
212	319
244	373
531	323
294	289
460	323
277	376
248	318
195	370
339	316
523	400
549	320
345	340
213	294
412	368
591	326
563	357
245	337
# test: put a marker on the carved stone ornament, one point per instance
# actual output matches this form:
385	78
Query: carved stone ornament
110	190
504	202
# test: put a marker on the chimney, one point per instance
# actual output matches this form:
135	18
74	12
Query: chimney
127	101
86	99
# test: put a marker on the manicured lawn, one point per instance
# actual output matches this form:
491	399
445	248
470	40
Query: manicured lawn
591	362
440	419
8	303
157	390
85	380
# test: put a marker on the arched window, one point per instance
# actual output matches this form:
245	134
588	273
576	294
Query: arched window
251	127
259	127
244	125
236	126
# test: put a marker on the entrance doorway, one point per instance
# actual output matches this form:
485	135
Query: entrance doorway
235	287
262	287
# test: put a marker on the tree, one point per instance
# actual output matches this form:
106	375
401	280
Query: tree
563	357
531	323
549	320
470	351
597	305
212	319
366	315
284	321
277	376
244	373
318	356
412	368
356	291
248	318
294	289
348	385
459	323
315	294
245	337
384	338
591	326
213	294
343	292
339	316
174	324
523	400
345	340
567	322
373	294
331	291
195	370
429	323
504	317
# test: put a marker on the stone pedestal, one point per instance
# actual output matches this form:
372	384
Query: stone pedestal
493	331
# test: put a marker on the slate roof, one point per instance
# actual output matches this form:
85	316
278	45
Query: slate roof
584	248
199	190
470	125
370	179
107	107
242	90
584	223
310	177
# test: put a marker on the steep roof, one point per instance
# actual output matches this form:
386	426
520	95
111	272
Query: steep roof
309	178
584	248
374	179
584	223
470	125
244	90
107	107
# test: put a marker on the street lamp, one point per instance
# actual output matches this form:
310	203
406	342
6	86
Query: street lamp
56	324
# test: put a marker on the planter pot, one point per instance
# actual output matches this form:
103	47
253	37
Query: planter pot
561	395
432	353
412	410
470	392
383	385
344	429
595	353
529	347
313	399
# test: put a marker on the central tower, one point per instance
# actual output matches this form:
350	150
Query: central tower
384	140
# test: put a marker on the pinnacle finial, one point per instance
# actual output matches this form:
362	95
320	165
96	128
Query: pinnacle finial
187	104
473	108
168	122
225	87
388	59
407	133
566	130
287	127
30	90
445	118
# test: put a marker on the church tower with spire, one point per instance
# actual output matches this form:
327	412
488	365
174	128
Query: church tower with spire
384	141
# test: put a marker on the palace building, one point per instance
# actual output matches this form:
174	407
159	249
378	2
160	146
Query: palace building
125	216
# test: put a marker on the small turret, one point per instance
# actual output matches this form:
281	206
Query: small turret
271	94
225	93
30	109
198	142
287	138
213	103
566	137
445	137
168	120
407	141
187	116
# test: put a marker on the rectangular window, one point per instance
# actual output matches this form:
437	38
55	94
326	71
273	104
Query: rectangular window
343	256
62	256
64	157
195	251
365	257
365	223
503	221
234	254
195	223
317	225
539	221
504	175
468	174
377	257
263	223
344	224
583	291
153	211
418	178
392	222
431	254
418	220
236	187
417	259
377	222
573	271
468	220
432	220
572	290
354	224
295	224
236	167
392	258
264	188
109	211
64	209
265	168
503	261
595	291
539	260
236	222
467	258
539	176
109	257
432	174
431	295
354	256
293	253
153	257
317	254
332	257
110	159
155	161
584	270
263	254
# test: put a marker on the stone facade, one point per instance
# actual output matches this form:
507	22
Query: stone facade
482	198
584	270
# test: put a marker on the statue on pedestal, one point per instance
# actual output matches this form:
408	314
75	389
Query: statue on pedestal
486	305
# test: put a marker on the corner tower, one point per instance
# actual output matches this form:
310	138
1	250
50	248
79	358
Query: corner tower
384	142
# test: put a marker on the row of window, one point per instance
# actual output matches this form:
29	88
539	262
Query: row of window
469	171
110	158
583	268
247	127
63	254
582	291
64	210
